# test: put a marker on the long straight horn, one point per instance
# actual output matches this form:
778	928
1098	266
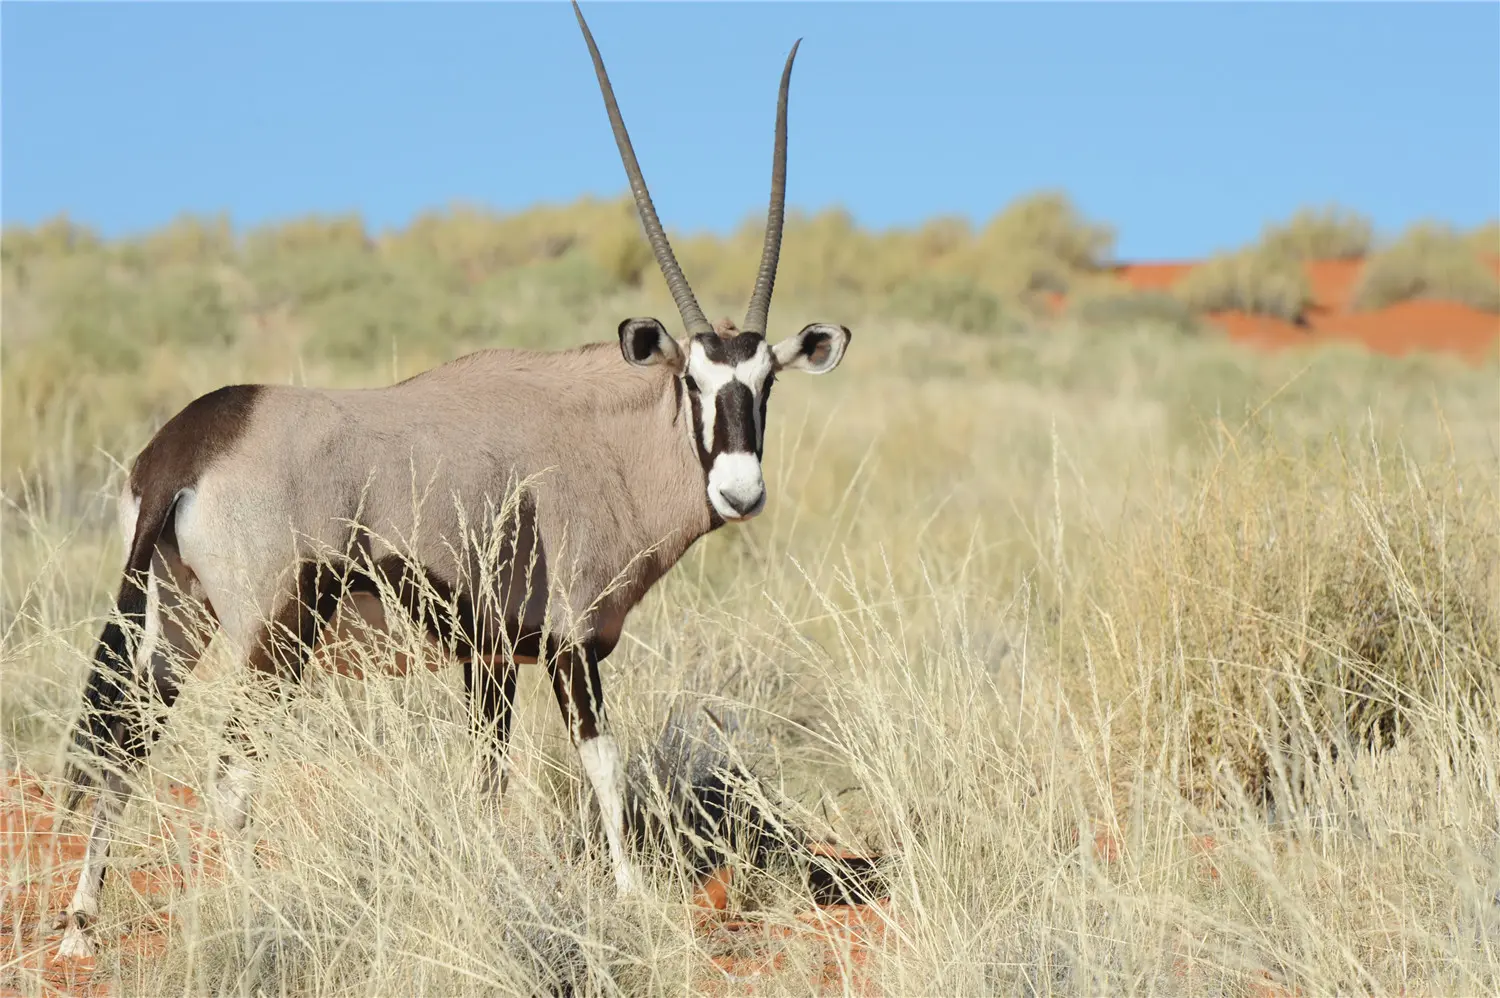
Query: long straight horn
687	305
765	281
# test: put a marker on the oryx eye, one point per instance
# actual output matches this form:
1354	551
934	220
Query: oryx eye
692	385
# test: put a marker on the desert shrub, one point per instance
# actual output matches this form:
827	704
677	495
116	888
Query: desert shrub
939	237
953	302
1485	240
1428	261
473	242
392	308
1039	243
311	232
1252	280
826	250
188	239
106	316
478	245
299	263
1050	224
571	284
86	308
1134	308
1330	233
56	237
185	305
618	246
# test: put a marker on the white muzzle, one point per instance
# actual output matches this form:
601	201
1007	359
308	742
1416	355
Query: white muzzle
736	487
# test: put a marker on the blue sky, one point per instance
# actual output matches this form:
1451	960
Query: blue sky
1186	126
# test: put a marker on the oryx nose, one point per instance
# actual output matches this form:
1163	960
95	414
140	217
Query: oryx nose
743	501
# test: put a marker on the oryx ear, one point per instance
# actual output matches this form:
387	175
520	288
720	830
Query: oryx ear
816	350
645	342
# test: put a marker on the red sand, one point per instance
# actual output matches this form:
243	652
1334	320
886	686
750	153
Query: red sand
1418	325
40	864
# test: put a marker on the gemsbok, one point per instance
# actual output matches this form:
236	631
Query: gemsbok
259	510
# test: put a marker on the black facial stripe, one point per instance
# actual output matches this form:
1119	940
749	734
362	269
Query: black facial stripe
735	350
734	420
765	397
704	457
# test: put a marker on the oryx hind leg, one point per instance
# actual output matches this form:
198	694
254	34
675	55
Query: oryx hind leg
276	653
178	625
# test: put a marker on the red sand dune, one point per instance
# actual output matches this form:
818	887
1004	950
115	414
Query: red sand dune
1417	325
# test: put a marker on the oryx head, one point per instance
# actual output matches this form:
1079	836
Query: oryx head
724	374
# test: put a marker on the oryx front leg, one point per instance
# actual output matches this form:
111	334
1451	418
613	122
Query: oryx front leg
580	697
234	778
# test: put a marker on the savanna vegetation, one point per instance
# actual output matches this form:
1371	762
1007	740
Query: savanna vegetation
1152	664
1432	261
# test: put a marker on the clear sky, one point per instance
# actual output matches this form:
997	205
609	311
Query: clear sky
1186	126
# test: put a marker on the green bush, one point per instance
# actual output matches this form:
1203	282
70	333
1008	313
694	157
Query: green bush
1050	225
953	302
1254	281
573	283
106	316
1330	233
182	304
1037	244
56	237
299	263
1485	240
188	239
87	312
1428	261
476	245
391	313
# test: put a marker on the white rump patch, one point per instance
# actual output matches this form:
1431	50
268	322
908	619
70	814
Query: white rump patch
129	511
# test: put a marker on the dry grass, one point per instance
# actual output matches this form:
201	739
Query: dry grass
1010	594
1113	307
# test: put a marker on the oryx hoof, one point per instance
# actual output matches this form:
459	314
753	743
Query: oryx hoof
77	941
